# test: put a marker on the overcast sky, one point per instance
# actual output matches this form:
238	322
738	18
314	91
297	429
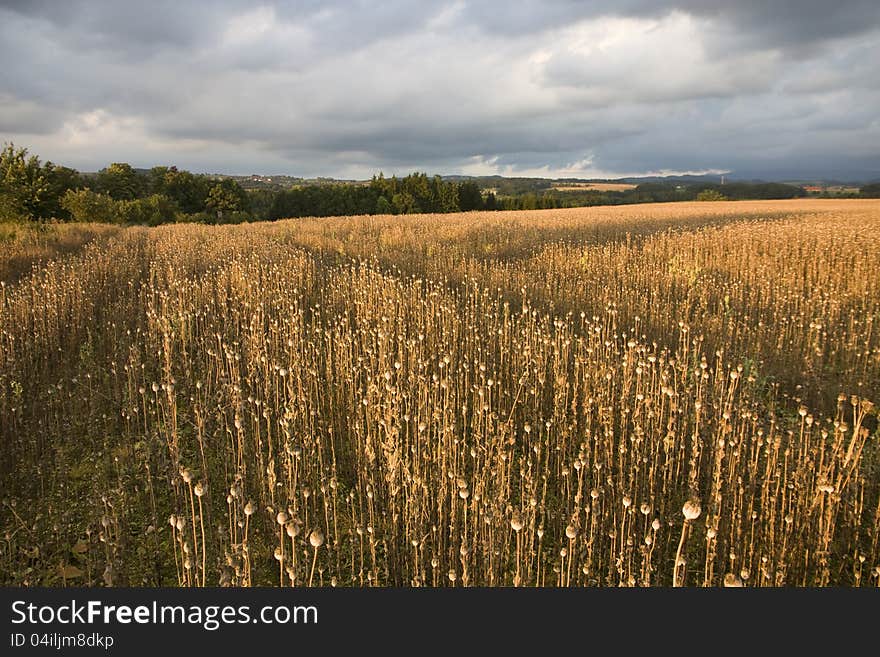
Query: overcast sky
762	88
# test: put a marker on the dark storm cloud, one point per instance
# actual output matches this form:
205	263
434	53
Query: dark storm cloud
777	22
349	87
122	26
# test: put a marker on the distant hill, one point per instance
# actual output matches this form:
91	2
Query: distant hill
524	184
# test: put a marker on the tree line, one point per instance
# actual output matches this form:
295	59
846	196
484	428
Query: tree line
413	194
32	190
649	192
871	191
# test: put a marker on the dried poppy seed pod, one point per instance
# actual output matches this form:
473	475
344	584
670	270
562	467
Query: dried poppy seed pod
691	509
516	522
571	532
732	580
281	518
249	509
316	538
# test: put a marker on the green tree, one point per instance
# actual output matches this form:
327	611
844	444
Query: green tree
405	203
383	206
260	202
24	186
86	206
711	195
156	179
9	210
447	195
226	197
120	181
189	191
469	196
153	210
60	179
871	191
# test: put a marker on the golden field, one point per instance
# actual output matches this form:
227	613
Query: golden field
595	187
676	394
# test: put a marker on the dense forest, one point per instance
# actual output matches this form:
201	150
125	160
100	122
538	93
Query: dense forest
31	190
413	194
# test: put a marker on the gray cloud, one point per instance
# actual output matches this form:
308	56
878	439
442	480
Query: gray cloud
350	87
779	23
